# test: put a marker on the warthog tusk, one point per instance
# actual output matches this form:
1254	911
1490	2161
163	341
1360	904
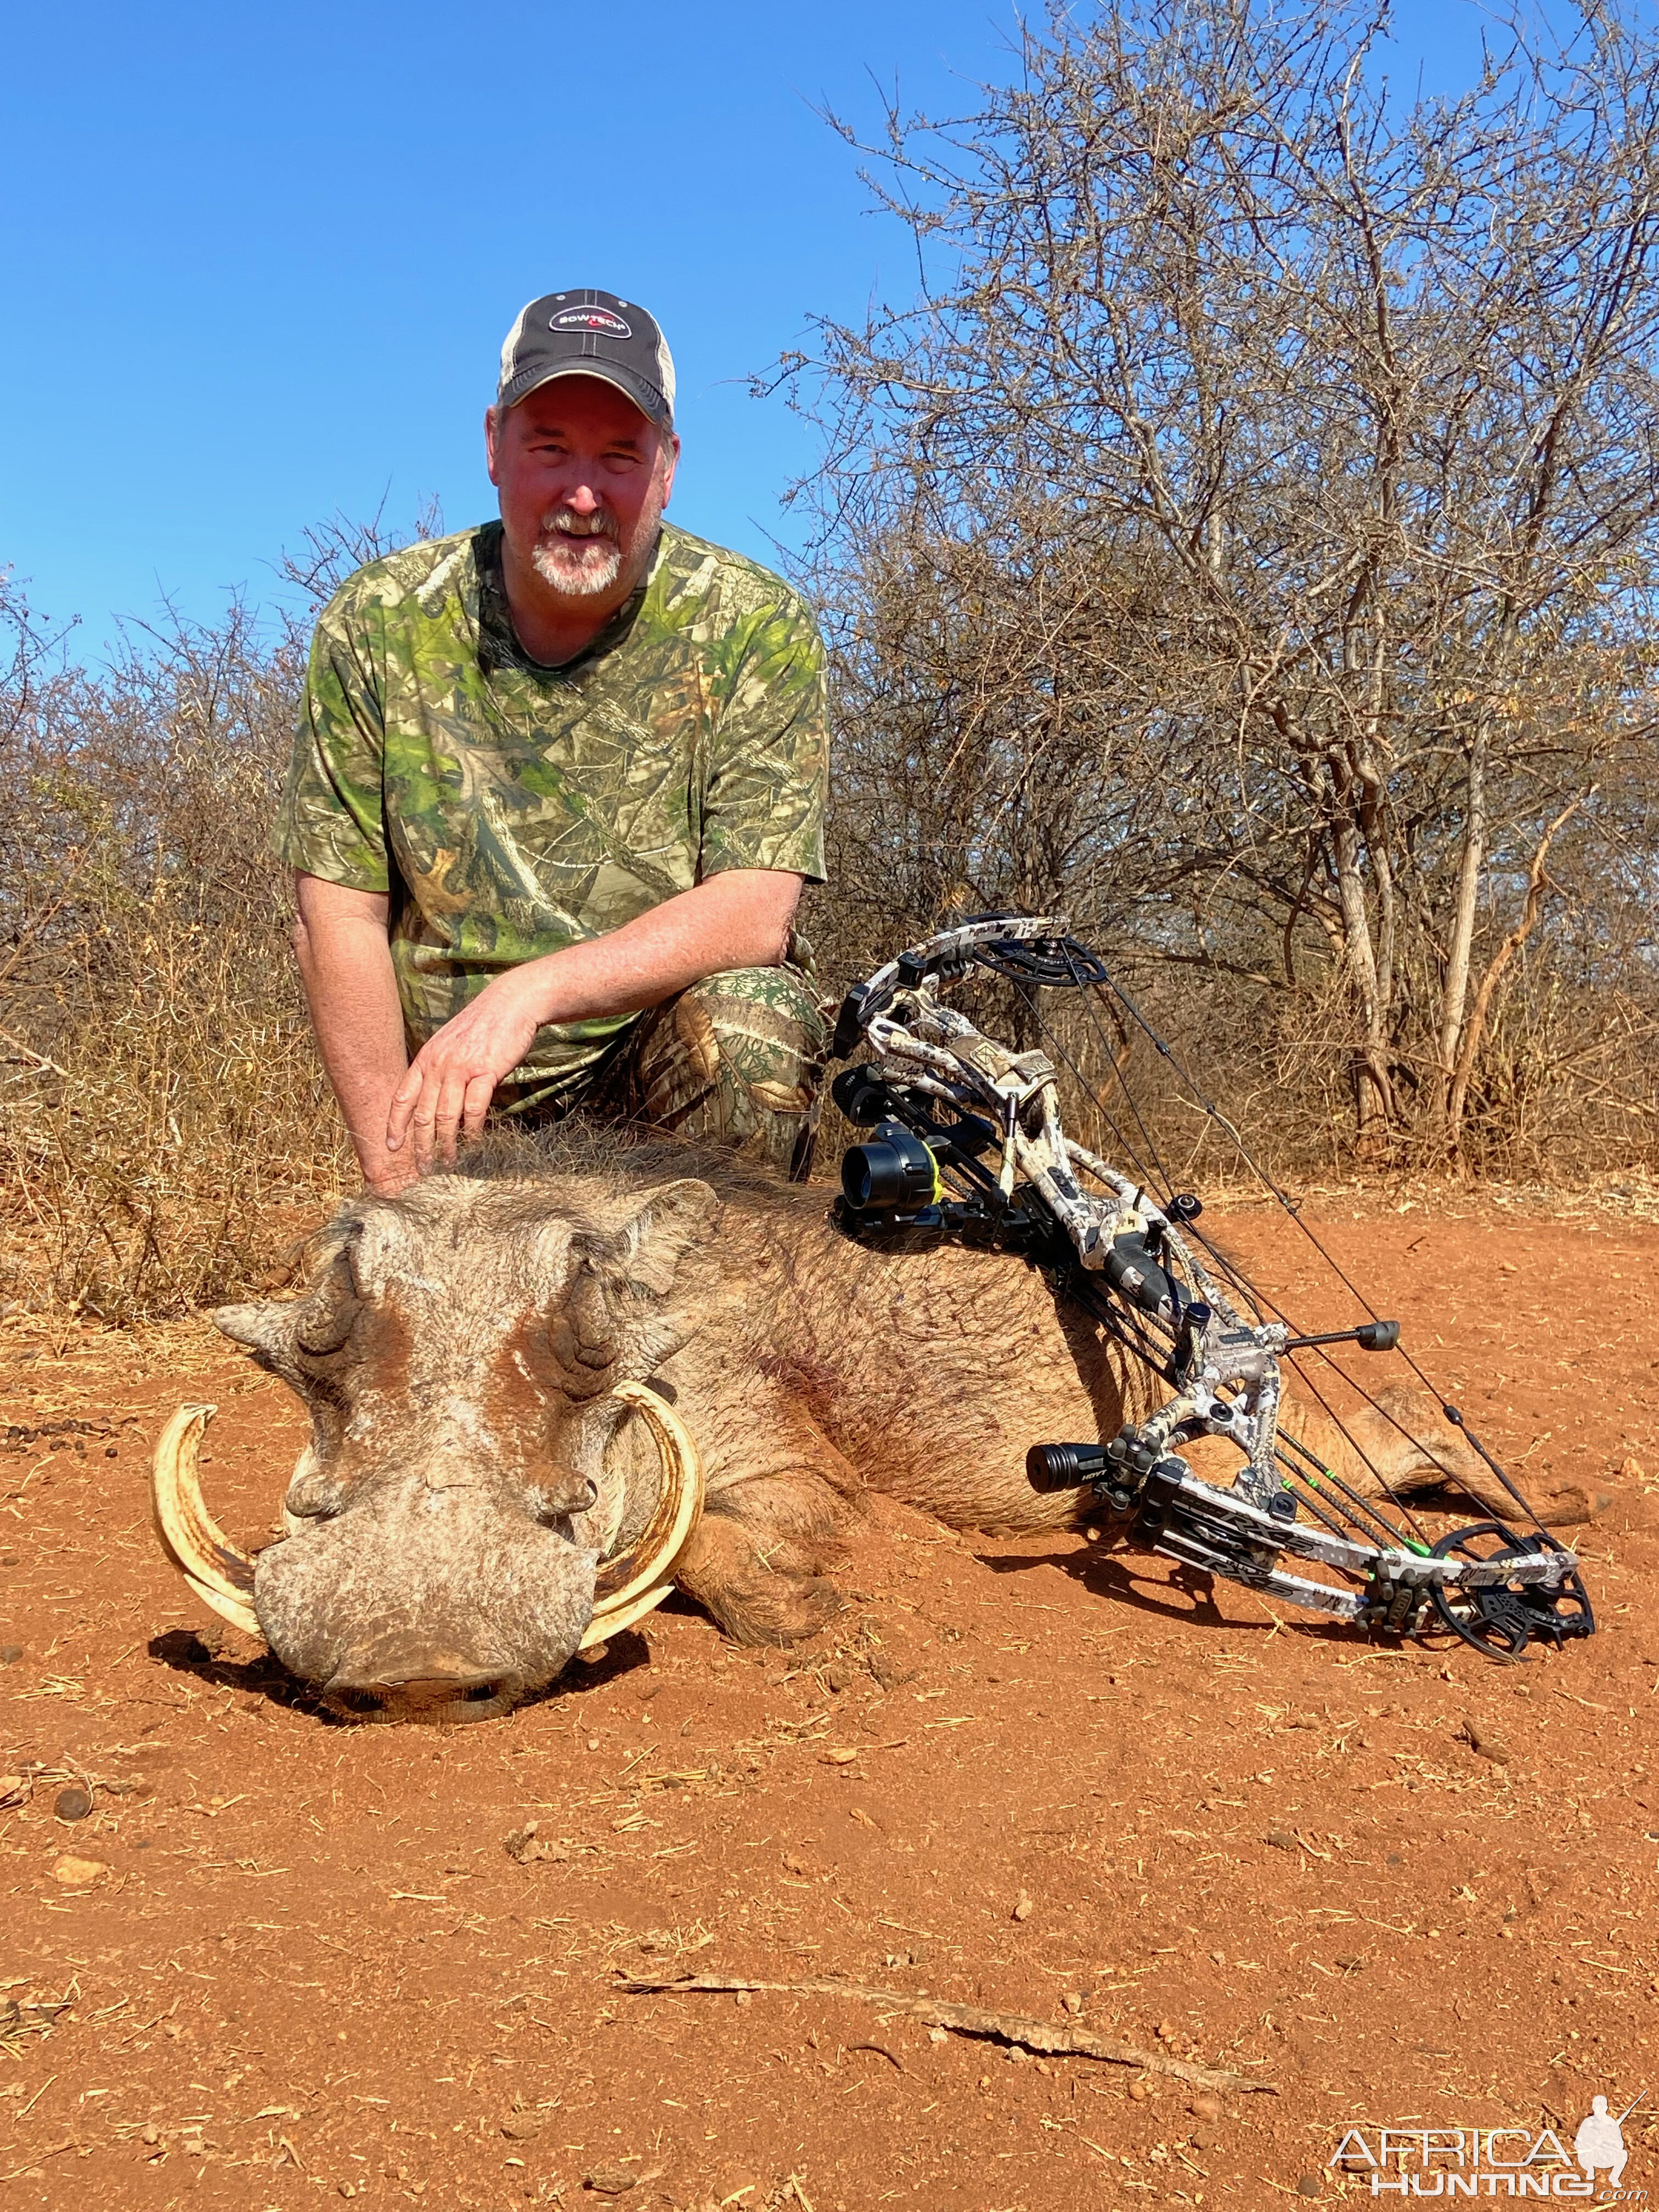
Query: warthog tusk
221	1576
630	1585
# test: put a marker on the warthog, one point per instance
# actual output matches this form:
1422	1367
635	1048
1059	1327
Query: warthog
472	1352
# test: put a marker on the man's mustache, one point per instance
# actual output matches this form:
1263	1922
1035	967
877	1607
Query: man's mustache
565	522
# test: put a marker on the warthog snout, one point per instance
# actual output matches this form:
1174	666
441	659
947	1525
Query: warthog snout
419	1603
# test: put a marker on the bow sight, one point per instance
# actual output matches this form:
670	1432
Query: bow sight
966	1143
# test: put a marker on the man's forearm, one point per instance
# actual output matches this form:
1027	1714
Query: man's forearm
737	920
345	963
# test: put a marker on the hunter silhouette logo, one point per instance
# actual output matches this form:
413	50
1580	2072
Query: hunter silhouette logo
1600	2141
1496	2161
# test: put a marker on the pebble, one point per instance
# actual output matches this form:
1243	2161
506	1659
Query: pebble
10	1654
78	1874
72	1804
1137	2091
610	2181
1310	2185
1073	2001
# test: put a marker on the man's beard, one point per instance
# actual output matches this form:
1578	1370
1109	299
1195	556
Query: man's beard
577	567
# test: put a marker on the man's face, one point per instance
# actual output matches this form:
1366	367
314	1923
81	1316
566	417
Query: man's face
583	477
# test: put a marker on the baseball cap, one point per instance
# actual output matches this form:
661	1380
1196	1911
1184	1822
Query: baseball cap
587	332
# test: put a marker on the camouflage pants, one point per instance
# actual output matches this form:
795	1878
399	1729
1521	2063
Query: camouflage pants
736	1060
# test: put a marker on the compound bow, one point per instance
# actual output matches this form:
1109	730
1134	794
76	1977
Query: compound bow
967	1143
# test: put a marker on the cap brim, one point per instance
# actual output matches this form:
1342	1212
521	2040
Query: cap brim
645	397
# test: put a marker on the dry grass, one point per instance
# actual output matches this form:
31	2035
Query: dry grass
164	1114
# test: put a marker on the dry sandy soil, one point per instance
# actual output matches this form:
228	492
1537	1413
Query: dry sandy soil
300	1961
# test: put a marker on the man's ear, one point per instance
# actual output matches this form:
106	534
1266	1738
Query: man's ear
494	421
670	461
645	1247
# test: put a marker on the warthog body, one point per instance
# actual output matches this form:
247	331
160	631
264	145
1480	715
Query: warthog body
469	1468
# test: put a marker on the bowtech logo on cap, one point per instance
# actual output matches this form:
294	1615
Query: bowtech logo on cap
591	319
590	333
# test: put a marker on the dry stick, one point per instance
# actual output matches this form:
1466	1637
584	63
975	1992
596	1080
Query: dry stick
967	2019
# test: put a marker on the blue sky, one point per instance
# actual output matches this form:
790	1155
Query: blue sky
259	261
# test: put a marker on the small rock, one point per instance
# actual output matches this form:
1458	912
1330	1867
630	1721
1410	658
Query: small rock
1024	1906
1073	2001
610	2180
1310	2185
594	1654
521	2127
1166	2031
10	1654
1219	1958
743	1997
1204	2107
1280	1838
938	2035
838	1758
1350	1962
838	1677
1137	2091
150	2133
793	1865
73	1803
78	1874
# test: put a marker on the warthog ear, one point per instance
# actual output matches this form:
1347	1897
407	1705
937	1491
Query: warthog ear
268	1327
321	1321
644	1248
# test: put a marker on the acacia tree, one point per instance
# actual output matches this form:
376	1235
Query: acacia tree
1248	533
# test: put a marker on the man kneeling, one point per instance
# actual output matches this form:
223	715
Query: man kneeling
557	785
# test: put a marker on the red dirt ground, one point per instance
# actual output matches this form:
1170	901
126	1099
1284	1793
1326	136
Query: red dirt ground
308	1966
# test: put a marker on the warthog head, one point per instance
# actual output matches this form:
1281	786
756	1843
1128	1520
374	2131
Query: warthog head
471	1466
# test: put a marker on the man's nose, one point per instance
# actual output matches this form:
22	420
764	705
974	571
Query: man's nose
581	499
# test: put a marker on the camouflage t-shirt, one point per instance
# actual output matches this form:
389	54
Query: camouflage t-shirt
511	809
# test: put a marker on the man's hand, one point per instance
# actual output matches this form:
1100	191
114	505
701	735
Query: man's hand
739	918
453	1078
